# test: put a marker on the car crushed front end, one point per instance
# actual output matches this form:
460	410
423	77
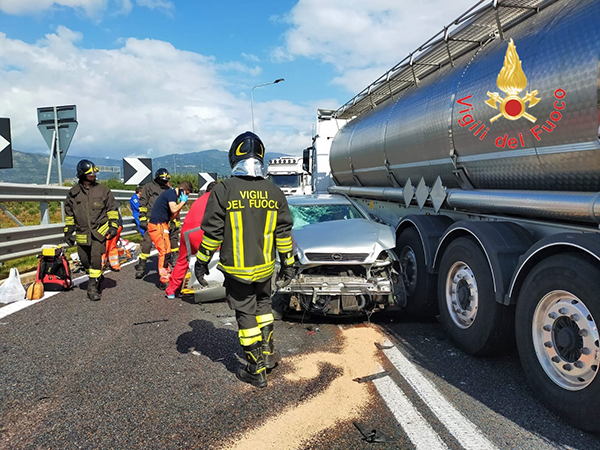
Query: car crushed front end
345	267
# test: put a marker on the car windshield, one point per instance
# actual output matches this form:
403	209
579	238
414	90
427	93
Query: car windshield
308	214
285	180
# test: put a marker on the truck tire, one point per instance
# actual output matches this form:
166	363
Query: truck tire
557	337
419	284
477	324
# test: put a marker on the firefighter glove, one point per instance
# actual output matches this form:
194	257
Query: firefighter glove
285	276
201	269
112	233
70	239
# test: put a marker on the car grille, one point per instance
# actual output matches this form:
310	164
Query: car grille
337	257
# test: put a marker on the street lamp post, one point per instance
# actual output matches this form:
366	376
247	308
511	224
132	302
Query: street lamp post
279	80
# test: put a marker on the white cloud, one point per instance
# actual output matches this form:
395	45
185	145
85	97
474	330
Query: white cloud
360	38
145	98
250	57
91	8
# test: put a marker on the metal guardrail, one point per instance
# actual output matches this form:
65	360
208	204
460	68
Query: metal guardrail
18	242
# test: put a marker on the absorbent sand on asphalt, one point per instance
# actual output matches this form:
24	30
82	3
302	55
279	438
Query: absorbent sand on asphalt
343	400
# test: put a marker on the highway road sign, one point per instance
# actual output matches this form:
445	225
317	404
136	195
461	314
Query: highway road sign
205	178
6	160
137	171
66	118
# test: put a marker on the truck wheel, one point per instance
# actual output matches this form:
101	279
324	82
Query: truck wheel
418	282
558	339
477	324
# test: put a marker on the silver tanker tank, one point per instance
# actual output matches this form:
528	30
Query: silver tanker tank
520	113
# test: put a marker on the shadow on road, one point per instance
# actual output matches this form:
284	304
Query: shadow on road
218	344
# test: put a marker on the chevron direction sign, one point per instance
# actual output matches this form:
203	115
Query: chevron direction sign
205	178
6	160
137	171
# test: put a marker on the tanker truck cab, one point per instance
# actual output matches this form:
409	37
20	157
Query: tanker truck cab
287	172
485	158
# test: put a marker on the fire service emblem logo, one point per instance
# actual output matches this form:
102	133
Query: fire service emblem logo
512	80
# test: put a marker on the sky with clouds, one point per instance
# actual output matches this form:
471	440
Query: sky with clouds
154	77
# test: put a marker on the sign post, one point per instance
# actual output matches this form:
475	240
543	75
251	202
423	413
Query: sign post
57	124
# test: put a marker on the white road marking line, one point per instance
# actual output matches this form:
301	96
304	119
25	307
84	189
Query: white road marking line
412	422
12	308
467	434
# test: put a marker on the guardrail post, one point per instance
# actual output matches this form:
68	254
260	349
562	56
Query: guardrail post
45	213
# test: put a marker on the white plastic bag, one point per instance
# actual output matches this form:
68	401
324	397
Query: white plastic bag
12	290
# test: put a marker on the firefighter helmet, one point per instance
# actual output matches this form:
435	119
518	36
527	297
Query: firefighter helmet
162	176
246	145
86	167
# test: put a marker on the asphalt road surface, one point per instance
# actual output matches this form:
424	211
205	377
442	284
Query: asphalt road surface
138	371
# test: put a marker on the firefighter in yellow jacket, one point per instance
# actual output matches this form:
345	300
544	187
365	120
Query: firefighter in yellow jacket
248	217
91	212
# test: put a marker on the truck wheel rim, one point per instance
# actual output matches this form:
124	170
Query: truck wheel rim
462	298
566	340
408	261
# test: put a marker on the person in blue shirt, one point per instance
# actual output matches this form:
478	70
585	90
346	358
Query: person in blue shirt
134	202
166	208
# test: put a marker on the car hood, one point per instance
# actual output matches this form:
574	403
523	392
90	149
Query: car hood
355	236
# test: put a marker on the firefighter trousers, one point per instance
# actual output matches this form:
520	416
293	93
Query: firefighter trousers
248	300
91	257
159	233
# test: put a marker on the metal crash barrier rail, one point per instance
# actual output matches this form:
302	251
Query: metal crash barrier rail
20	241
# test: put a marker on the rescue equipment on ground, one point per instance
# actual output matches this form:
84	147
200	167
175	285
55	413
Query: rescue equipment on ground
53	269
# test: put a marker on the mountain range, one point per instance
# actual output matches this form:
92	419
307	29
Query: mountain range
33	167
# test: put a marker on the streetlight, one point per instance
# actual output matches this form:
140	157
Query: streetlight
278	80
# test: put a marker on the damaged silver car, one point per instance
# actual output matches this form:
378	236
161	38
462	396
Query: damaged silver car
346	264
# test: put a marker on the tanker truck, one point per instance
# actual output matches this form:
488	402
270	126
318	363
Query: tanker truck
481	149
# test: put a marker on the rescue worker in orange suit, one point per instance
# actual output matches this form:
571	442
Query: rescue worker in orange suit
166	208
91	212
193	220
112	249
149	194
248	217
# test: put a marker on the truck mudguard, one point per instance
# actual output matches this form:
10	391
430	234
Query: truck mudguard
584	243
502	242
430	228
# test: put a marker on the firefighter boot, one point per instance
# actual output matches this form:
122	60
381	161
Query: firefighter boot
255	372
270	355
92	290
141	268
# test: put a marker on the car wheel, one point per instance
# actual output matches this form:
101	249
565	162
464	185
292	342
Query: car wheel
477	324
419	284
558	338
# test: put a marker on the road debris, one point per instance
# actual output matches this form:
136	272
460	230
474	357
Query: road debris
151	321
370	436
383	347
375	376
